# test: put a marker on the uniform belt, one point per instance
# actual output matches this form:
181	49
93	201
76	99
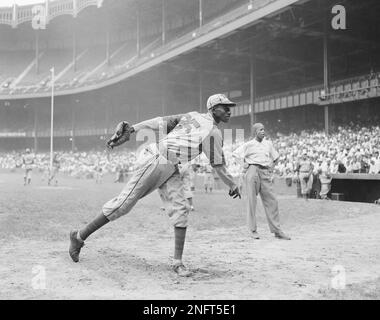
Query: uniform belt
259	165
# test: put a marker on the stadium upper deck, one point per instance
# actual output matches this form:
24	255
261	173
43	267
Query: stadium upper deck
95	43
153	31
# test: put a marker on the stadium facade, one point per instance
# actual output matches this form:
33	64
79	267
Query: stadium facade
127	59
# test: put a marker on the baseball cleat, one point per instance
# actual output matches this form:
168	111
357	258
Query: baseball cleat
255	235
281	235
75	245
181	270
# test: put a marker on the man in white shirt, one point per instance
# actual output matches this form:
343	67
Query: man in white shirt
259	159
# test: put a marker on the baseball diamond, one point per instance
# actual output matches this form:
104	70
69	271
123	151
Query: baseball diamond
121	261
189	150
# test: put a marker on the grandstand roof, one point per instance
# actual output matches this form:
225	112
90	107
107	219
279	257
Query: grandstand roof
288	43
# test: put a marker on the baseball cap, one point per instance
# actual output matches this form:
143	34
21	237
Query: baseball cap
218	98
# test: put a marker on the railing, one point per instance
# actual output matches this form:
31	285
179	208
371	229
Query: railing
60	8
16	15
6	16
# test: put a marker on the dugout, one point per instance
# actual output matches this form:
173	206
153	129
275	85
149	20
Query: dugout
357	187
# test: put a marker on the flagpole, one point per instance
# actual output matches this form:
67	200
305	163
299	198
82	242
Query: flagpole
52	120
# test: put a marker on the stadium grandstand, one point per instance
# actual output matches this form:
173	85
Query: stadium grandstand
113	60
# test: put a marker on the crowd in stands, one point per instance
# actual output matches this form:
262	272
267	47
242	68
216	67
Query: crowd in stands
91	164
350	149
75	164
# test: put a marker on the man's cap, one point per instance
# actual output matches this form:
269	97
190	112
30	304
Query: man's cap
219	98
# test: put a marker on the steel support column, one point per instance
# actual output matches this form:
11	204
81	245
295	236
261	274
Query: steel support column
252	86
138	30
201	75
108	58
137	99
37	50
200	13
35	111
73	108
163	35
164	90
74	49
326	73
107	116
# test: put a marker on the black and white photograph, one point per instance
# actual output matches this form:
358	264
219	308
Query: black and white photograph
214	151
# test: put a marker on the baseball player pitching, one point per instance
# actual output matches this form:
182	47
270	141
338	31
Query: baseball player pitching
188	135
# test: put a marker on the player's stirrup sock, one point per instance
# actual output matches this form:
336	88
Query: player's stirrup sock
179	242
94	225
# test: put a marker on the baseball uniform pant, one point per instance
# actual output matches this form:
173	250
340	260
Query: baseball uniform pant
259	181
209	181
306	182
28	174
54	173
325	187
156	172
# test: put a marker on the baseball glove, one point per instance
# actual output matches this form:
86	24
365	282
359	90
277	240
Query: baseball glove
122	134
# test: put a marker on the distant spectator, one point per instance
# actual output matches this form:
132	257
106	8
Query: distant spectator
373	169
288	177
341	168
305	173
325	179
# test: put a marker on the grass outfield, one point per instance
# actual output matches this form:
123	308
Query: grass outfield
130	258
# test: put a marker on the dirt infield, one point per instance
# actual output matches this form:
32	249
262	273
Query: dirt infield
130	258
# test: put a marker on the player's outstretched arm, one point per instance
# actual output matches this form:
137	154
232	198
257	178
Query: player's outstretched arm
124	130
212	146
166	124
228	180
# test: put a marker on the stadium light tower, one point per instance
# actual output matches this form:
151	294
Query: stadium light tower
52	120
